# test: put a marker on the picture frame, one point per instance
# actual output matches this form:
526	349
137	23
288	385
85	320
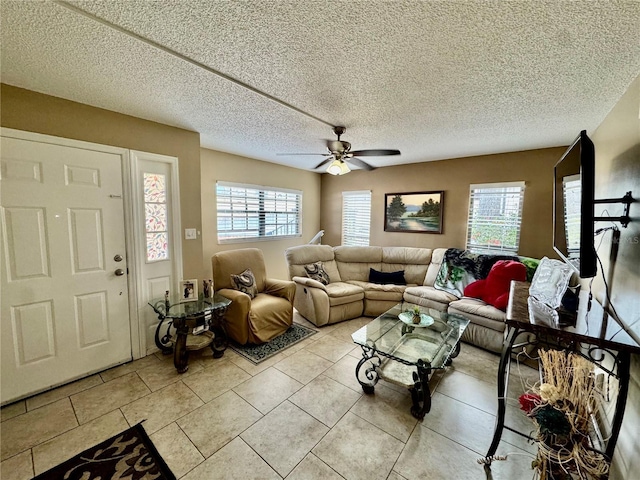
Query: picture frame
414	212
189	289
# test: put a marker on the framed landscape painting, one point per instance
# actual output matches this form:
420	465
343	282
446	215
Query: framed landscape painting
415	212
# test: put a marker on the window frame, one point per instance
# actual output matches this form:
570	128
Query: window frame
345	236
259	213
502	249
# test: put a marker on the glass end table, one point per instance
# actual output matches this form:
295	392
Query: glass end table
406	354
190	324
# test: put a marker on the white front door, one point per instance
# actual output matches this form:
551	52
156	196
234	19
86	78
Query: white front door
65	311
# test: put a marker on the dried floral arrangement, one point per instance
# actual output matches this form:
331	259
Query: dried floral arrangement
560	408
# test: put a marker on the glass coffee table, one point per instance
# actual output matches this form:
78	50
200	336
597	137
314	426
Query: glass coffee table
400	352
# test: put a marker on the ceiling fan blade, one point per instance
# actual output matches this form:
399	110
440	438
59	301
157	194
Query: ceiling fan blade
324	154
324	162
360	163
375	153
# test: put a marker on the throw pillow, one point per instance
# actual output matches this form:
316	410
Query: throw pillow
245	282
316	272
382	278
494	290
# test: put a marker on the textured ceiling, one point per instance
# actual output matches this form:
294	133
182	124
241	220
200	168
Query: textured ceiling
434	79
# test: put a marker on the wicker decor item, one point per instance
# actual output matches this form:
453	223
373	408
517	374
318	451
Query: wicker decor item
560	408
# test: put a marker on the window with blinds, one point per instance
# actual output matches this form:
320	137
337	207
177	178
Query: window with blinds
251	212
495	216
356	217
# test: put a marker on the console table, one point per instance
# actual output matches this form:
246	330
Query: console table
592	333
186	316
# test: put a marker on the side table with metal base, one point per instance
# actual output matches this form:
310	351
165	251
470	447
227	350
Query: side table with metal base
190	324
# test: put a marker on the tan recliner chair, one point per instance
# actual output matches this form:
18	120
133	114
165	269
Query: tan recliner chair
255	320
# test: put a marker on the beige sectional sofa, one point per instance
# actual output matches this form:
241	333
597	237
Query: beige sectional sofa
349	294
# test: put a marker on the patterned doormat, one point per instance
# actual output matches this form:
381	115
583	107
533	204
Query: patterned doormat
259	353
127	455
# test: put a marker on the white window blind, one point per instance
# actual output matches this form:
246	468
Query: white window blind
252	212
495	216
356	217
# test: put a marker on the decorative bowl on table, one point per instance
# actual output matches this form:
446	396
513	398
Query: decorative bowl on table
407	317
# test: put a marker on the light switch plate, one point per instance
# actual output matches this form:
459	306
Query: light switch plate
190	234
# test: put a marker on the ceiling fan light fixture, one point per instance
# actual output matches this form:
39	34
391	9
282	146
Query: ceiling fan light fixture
338	167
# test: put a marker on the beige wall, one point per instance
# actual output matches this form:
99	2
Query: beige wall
535	167
617	143
35	112
232	168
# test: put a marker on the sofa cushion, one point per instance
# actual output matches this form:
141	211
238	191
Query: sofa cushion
354	262
437	256
245	282
430	293
459	268
494	290
316	272
479	312
376	291
341	293
414	261
382	278
299	256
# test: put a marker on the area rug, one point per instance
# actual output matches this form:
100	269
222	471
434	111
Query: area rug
259	353
128	455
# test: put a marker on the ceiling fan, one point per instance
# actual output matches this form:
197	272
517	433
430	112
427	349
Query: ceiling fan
340	153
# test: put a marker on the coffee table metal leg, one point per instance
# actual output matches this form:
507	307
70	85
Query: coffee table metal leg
370	373
421	393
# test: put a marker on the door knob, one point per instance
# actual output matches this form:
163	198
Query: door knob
118	258
119	272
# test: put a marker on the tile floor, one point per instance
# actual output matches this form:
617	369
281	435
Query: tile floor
299	415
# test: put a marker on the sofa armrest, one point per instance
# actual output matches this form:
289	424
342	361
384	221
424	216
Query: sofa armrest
280	288
309	282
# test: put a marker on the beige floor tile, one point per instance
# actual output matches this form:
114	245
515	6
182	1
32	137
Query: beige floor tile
358	450
344	330
303	366
176	449
395	476
162	407
325	399
430	456
216	423
253	369
18	467
271	437
268	389
99	400
32	428
344	371
212	382
330	348
470	390
129	367
13	410
236	461
49	454
476	362
157	376
388	410
460	422
307	342
312	468
63	392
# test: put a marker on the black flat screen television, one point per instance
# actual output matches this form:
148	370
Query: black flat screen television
573	206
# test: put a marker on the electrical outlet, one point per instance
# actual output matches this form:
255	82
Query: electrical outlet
190	234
